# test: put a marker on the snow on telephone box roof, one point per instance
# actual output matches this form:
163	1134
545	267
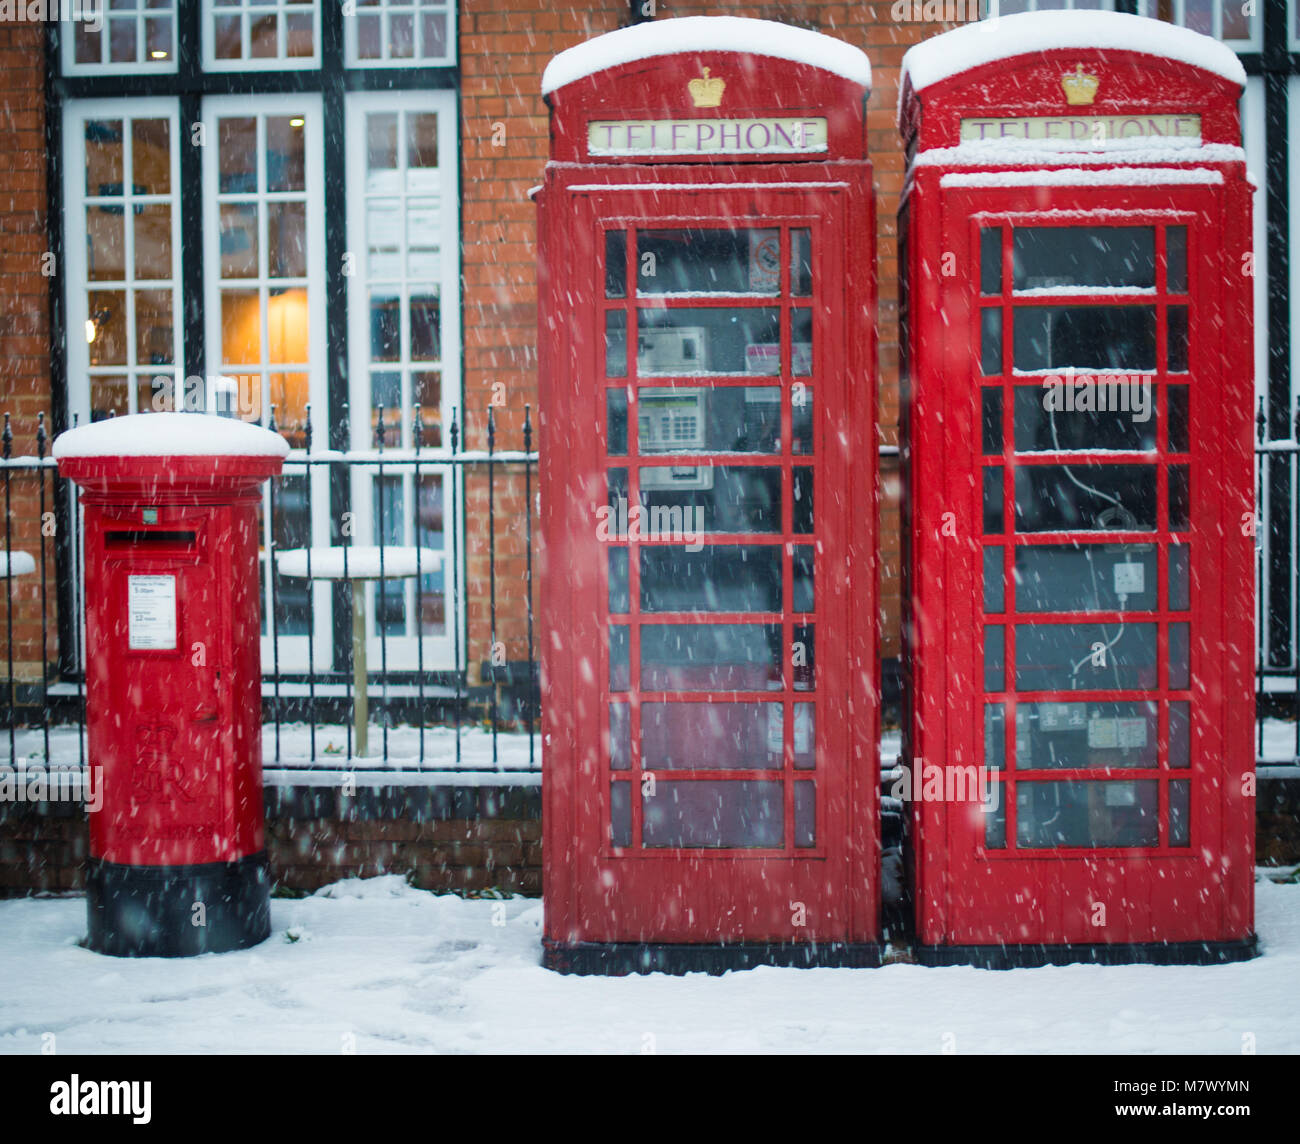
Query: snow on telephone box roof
170	435
987	41
706	34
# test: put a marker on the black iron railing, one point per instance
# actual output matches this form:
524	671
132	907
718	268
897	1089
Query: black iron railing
469	710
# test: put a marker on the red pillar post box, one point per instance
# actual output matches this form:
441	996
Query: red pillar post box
707	354
1078	493
173	680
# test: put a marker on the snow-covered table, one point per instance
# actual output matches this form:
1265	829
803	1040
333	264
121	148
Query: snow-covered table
16	564
358	564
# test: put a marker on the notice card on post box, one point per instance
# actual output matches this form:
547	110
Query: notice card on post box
151	612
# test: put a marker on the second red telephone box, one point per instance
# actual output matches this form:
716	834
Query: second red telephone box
1078	493
707	353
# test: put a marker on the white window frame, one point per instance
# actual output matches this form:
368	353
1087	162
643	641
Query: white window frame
277	63
293	649
143	66
382	9
1255	142
1253	43
76	113
403	653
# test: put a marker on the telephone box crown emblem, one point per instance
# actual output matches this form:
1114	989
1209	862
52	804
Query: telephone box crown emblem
1079	87
707	92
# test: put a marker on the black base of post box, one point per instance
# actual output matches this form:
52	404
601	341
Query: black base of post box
617	959
148	911
1127	953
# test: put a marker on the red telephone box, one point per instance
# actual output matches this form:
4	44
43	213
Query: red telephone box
707	354
173	679
1078	494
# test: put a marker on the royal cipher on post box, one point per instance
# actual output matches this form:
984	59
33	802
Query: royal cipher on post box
707	353
1077	359
173	680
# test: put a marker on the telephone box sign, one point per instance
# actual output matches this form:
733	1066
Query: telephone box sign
767	136
1084	128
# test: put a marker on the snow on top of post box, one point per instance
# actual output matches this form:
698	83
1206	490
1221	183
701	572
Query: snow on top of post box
170	435
707	34
987	41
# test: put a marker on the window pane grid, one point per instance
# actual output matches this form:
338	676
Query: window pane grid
395	33
243	34
138	36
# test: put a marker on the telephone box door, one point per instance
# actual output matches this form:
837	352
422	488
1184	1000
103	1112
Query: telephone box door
722	767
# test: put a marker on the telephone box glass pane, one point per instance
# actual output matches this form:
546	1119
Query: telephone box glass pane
615	264
993	500
619	599
703	342
1177	325
991	421
995	736
1062	257
691	419
1086	578
1085	657
708	261
1180	671
805	736
1180	734
710	657
805	814
801	417
620	814
681	501
711	736
616	422
620	737
995	671
802	568
994	595
801	512
801	342
801	263
1179	432
615	343
995	820
1180	498
1086	337
1085	413
803	657
717	578
1055	735
1100	814
732	813
991	260
991	341
1180	589
1176	259
619	664
1079	498
1180	813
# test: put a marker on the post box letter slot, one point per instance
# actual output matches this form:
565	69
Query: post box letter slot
140	536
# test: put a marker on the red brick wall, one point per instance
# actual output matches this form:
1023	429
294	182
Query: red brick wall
504	50
24	319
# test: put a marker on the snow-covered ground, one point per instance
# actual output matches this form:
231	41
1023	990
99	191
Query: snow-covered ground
380	967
